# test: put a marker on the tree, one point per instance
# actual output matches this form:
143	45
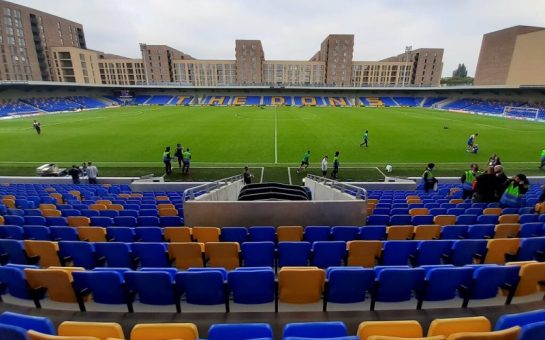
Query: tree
460	72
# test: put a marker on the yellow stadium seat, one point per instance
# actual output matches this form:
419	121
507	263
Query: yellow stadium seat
412	197
499	247
9	197
33	335
370	208
206	234
165	206
104	202
58	282
162	198
456	201
98	207
300	284
9	203
51	213
532	276
444	220
364	253
162	331
1	220
508	218
50	189
168	212
222	254
45	206
427	232
384	337
289	233
492	211
419	211
79	221
450	326
506	230
100	330
116	207
76	194
405	328
372	201
92	234
124	195
46	252
177	234
400	232
506	334
186	254
58	197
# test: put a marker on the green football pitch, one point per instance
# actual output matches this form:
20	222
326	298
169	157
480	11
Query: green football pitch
129	141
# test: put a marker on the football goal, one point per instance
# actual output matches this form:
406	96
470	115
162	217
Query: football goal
521	112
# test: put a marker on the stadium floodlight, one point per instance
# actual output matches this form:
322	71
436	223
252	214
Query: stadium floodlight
529	113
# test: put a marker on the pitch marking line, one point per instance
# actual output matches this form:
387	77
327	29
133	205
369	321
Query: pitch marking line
383	174
236	165
344	167
262	174
289	174
275	136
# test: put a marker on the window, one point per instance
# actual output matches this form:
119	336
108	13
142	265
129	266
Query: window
7	11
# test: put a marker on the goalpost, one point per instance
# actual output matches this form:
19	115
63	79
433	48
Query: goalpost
530	113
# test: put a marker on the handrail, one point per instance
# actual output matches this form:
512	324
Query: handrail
360	193
190	194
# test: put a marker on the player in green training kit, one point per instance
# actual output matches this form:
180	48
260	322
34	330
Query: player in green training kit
542	159
304	162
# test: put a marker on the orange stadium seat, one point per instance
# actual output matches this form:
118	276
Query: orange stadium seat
186	254
289	233
364	253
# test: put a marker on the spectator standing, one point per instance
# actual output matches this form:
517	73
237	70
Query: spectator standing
335	165
186	160
92	173
501	178
324	166
516	188
428	178
486	187
166	160
468	179
179	154
247	175
75	173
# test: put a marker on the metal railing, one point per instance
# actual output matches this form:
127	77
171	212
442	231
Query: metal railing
199	190
358	192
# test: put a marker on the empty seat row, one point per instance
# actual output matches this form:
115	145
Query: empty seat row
99	221
405	219
257	285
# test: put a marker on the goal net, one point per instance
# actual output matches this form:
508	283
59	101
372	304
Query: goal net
521	112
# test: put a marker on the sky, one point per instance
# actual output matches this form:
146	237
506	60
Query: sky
294	29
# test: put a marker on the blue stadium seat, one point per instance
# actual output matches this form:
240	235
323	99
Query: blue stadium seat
14	220
13	278
117	254
347	284
453	232
293	253
258	254
89	213
107	287
37	232
153	287
171	221
400	220
487	219
533	331
480	231
81	254
12	332
151	221
315	330
531	249
431	252
378	220
456	211
126	221
262	233
400	211
463	251
474	211
466	219
443	283
530	229
487	279
242	331
129	212
345	233
70	212
120	234
251	286
389	289
373	232
438	211
28	322
317	233
151	254
13	251
519	319
205	287
13	232
109	213
328	253
102	221
397	253
35	220
234	234
149	234
422	220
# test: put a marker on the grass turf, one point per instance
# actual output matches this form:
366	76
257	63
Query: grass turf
129	141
